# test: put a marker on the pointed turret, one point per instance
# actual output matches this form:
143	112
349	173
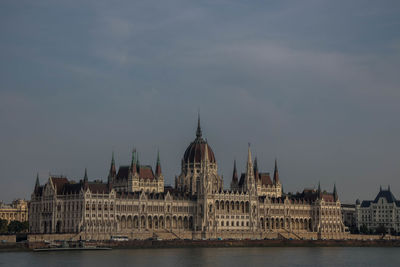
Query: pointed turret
85	177
133	167
235	175
235	180
335	196
137	162
249	162
113	171
158	164
319	193
249	180
37	184
256	174
276	173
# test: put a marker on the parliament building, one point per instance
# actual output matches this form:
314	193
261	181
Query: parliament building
135	203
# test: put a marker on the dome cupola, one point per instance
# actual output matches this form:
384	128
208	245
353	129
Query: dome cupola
195	153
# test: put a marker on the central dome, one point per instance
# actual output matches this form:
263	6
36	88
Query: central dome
195	153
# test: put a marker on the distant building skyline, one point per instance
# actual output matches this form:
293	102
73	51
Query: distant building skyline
383	211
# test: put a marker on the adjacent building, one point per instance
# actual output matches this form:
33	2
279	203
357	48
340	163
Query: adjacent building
134	202
349	216
16	211
382	212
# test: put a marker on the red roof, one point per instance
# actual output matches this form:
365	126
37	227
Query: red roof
64	186
328	197
59	183
145	172
97	187
265	179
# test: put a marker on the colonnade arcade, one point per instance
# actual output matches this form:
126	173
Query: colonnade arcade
290	224
134	222
232	206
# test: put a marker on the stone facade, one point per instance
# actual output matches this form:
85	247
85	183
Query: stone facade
16	211
383	211
197	207
136	177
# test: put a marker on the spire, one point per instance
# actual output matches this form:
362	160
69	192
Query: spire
137	161
319	190
133	162
235	181
256	176
335	196
380	188
255	164
249	180
158	165
113	171
85	177
249	163
198	132
276	173
389	188
235	175
37	184
133	157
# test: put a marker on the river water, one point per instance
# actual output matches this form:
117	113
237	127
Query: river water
273	256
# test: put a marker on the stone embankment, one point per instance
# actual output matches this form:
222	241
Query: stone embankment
250	243
139	244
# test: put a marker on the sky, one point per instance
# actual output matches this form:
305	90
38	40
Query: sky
315	84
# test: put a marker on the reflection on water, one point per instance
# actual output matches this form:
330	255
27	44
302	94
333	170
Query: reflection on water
209	257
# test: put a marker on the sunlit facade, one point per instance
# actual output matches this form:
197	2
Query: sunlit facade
135	203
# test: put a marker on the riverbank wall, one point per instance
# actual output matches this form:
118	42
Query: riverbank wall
8	238
43	240
159	244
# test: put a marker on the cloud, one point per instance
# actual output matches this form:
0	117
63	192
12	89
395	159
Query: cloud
309	82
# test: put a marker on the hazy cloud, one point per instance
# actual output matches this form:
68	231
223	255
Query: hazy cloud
314	83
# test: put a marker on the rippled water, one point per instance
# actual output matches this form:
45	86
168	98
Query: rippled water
209	257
